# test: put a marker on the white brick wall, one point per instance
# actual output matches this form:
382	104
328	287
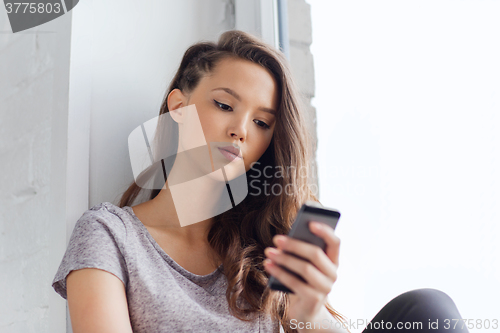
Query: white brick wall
34	76
302	64
299	22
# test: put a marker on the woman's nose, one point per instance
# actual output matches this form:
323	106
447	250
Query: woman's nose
238	129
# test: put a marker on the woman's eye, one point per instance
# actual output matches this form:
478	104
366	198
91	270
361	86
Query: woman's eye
226	107
262	124
223	106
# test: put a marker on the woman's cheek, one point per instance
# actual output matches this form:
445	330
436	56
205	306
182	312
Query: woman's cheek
208	124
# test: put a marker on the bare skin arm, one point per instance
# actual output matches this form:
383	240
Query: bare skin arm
97	302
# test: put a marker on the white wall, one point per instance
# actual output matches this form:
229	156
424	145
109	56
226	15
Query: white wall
408	98
34	77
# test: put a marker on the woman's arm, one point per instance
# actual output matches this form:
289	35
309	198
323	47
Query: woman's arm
97	302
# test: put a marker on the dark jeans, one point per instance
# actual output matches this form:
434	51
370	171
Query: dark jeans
434	309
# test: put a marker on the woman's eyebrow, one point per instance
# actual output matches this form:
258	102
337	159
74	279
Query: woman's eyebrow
235	95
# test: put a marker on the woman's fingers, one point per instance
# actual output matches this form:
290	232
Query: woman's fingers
317	268
332	241
306	270
292	282
310	252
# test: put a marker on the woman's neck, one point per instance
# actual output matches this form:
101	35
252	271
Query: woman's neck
160	213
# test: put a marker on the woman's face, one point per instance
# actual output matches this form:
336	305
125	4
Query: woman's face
236	104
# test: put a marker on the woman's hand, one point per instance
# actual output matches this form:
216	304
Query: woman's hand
307	304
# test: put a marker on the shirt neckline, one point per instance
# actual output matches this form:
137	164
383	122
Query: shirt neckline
170	261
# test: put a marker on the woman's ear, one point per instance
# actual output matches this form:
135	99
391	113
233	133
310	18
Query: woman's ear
176	101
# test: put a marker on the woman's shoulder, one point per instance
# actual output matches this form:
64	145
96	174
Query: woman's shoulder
106	208
98	240
115	220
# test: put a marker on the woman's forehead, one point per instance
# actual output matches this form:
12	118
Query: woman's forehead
245	78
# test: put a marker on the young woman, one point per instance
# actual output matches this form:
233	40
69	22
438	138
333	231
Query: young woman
142	268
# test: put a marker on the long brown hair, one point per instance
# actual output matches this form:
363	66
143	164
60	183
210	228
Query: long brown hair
240	235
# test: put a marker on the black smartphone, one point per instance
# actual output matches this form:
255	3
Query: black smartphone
310	211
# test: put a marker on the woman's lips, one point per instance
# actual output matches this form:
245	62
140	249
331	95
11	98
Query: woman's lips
229	155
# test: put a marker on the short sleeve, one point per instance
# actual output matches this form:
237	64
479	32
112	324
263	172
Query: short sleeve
94	243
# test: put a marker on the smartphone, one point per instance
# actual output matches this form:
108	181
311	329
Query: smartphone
310	211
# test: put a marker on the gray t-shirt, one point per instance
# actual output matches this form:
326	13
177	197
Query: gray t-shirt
162	296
